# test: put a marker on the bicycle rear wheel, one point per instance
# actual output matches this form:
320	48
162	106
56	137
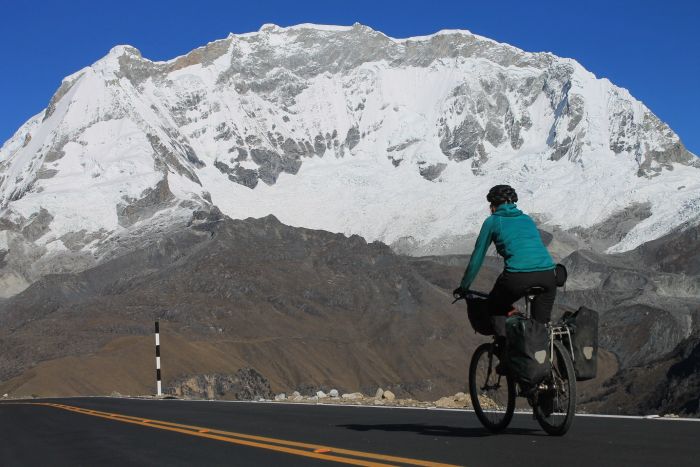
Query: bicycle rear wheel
493	395
556	403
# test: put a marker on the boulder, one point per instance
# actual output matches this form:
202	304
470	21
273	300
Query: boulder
388	395
446	403
353	396
321	395
281	397
334	393
379	393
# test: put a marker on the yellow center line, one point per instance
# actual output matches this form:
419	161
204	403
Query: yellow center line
290	447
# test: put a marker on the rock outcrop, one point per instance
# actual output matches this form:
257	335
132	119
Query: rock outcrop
245	384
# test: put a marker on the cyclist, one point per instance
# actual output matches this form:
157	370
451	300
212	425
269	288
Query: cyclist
527	261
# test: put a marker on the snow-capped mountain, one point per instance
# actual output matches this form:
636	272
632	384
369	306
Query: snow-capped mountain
336	128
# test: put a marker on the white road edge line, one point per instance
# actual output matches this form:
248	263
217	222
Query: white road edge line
439	409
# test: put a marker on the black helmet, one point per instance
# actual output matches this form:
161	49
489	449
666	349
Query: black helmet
502	194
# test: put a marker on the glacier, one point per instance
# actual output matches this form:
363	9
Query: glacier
336	128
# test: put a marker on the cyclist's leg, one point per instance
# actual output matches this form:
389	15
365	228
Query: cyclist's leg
542	304
500	301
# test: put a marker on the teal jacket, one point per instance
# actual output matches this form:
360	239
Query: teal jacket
517	240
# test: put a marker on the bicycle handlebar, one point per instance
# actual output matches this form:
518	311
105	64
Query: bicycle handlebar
468	293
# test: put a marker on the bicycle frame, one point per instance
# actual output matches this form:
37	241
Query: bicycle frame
553	400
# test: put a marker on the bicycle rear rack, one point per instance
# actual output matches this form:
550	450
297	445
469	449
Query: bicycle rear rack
558	331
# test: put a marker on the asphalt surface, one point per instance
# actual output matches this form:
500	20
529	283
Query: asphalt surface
159	432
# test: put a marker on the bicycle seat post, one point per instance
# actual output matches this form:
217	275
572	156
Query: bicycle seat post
530	294
528	301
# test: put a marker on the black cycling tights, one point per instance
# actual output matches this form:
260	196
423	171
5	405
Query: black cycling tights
511	286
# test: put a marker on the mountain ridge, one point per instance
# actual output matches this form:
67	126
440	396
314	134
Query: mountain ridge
337	129
313	309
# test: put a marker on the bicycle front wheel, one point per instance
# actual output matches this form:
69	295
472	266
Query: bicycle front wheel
556	400
493	395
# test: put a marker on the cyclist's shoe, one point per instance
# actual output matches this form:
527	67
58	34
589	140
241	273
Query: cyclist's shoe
513	311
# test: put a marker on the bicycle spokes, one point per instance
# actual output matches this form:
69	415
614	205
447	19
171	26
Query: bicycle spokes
492	394
556	401
492	387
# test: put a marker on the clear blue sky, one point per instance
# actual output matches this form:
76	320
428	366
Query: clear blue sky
651	47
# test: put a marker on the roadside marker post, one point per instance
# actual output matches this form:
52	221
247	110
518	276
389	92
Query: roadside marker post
158	384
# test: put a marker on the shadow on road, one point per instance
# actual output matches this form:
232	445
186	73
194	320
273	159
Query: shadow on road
439	430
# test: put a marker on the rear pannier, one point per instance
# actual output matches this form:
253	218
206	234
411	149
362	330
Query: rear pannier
584	341
528	349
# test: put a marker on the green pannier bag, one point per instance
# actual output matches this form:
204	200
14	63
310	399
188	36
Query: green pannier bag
528	349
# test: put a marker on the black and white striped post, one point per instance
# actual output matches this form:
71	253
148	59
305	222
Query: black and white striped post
158	384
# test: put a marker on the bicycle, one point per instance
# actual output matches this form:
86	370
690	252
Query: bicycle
493	388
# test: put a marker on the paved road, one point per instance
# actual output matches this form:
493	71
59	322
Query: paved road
104	431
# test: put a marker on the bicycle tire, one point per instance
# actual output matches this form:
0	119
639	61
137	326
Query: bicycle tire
558	425
492	419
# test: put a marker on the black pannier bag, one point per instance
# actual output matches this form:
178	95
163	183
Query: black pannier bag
528	349
584	341
479	316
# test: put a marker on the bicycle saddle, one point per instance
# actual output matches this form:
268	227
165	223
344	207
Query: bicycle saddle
535	290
